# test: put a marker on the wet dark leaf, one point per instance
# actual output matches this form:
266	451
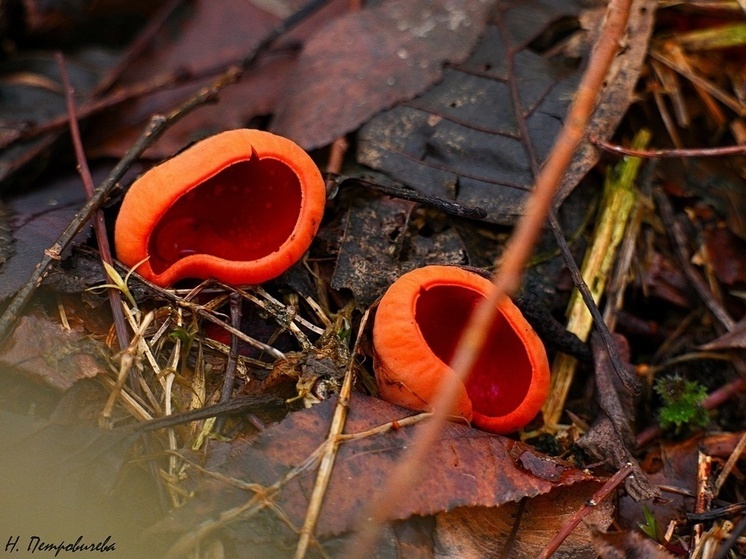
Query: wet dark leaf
380	244
466	467
480	136
31	93
718	187
6	234
55	20
621	545
369	60
671	464
39	217
45	351
663	278
477	532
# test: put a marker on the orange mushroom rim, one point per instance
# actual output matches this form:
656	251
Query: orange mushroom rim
417	326
240	207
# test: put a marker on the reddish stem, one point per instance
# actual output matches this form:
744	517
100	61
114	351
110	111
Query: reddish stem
611	484
102	239
656	153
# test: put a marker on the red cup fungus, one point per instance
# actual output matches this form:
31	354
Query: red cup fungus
417	326
240	207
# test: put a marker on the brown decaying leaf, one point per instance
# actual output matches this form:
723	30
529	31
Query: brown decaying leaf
6	235
477	532
610	436
626	545
480	136
44	351
726	253
671	464
371	59
467	467
663	278
379	246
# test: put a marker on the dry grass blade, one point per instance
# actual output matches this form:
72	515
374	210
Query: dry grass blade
127	362
727	100
509	275
330	453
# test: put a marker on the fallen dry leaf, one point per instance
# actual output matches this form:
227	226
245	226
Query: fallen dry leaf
31	93
205	37
522	530
46	352
663	278
72	479
726	253
371	59
38	217
466	467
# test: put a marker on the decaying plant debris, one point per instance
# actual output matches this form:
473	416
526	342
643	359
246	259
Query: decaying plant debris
230	421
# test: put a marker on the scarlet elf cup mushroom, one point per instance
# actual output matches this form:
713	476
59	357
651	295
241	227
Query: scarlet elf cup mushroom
240	207
417	326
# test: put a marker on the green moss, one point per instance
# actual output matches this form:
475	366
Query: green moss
682	404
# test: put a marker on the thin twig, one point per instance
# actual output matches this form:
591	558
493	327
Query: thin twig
127	362
337	152
703	497
21	299
611	484
451	208
658	153
699	81
716	514
598	321
330	453
204	312
729	465
102	239
230	367
507	280
283	315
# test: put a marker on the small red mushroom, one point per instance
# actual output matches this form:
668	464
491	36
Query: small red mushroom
240	207
417	326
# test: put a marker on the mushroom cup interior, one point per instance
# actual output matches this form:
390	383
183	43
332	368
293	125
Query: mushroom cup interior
244	212
502	375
